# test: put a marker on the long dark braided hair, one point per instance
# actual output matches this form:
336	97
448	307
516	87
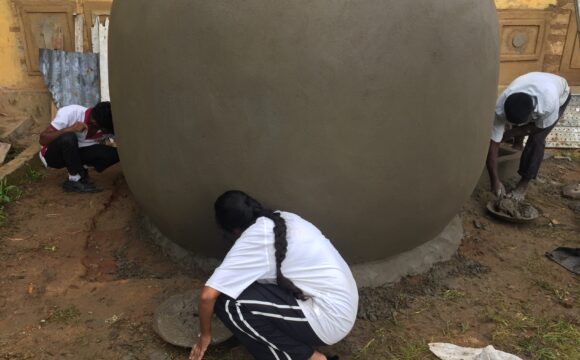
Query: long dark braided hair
237	210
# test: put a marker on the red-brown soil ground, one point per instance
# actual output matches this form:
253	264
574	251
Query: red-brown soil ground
78	280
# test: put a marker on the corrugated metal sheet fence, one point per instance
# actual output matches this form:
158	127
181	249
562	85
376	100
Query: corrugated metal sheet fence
71	77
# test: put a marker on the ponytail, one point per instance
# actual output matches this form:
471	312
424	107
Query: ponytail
236	209
281	247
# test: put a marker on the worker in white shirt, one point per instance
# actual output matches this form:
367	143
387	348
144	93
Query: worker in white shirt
76	139
282	289
532	104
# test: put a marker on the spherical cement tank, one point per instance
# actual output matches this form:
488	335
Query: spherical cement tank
368	118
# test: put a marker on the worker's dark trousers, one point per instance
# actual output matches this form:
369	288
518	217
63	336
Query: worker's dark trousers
267	320
533	153
64	152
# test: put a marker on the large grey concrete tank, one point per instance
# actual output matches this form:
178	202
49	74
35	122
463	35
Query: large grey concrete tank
369	118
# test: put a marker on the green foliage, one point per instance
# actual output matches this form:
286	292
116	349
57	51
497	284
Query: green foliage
33	175
63	315
536	337
8	193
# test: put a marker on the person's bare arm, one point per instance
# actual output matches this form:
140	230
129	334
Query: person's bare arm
525	130
50	134
207	300
492	155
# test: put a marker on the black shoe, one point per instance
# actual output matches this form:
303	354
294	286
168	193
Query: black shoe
79	186
85	178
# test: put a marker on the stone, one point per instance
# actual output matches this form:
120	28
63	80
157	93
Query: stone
571	191
369	119
575	206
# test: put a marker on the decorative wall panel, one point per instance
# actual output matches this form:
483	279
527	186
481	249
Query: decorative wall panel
46	25
570	65
523	37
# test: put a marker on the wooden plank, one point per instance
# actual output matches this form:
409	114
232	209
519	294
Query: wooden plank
95	10
104	59
4	149
95	35
79	33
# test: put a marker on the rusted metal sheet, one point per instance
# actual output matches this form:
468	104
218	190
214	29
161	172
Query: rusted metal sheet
71	77
566	135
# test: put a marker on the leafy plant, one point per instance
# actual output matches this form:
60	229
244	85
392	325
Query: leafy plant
33	175
63	315
8	193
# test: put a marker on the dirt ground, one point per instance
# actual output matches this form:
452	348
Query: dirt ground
78	280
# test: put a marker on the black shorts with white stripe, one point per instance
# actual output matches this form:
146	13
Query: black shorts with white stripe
267	320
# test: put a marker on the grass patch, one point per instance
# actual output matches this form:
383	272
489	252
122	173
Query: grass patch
63	315
574	155
561	296
8	193
534	337
452	295
33	175
388	344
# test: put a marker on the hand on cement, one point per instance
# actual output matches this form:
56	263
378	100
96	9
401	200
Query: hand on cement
78	127
499	190
518	194
199	349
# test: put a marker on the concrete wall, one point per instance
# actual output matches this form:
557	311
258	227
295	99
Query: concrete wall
19	92
13	72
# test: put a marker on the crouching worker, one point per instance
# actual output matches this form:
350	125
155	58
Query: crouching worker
77	139
282	289
532	104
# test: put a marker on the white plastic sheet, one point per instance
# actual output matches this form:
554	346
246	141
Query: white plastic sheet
453	352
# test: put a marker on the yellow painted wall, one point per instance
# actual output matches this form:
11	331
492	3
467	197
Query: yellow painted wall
13	71
524	4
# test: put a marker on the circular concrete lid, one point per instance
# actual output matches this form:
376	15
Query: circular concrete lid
176	321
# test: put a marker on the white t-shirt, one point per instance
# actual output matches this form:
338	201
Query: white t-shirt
548	92
313	265
68	116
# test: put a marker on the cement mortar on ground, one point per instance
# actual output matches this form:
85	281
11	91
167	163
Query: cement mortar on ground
371	274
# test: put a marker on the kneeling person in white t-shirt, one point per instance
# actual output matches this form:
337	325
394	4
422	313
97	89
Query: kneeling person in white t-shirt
532	104
77	138
282	289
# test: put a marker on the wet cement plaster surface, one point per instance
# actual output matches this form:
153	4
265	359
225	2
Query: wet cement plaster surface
365	118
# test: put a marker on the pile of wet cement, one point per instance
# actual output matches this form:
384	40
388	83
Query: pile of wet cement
515	209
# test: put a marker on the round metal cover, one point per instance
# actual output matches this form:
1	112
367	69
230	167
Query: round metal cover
176	321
